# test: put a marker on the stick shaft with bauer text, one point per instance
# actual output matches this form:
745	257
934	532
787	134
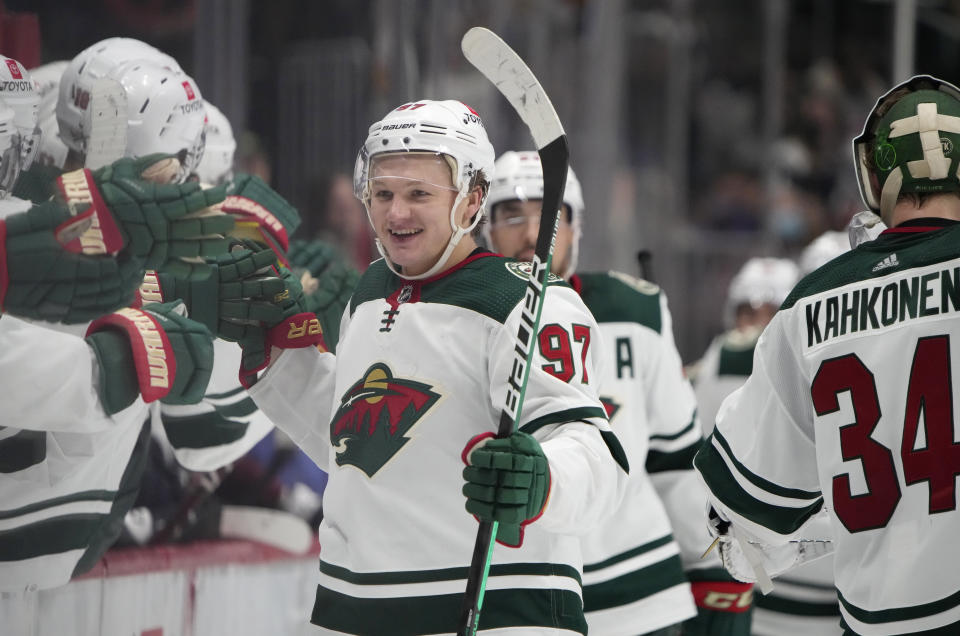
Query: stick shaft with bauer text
502	66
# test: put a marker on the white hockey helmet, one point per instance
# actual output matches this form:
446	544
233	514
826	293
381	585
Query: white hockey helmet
761	280
216	166
47	80
519	176
823	249
19	92
448	128
94	62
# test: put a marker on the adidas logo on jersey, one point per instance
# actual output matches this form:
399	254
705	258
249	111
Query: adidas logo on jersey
890	261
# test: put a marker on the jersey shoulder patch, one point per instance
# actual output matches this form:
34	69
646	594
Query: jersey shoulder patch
736	352
617	297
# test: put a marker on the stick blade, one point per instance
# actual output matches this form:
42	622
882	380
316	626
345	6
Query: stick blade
108	123
503	67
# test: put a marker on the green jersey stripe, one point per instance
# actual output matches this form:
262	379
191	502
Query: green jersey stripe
445	574
758	481
634	586
212	428
50	536
86	495
892	614
559	417
783	605
686	429
784	520
541	608
658	462
629	554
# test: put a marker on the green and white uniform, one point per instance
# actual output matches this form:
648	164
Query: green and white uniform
633	574
835	416
421	368
803	601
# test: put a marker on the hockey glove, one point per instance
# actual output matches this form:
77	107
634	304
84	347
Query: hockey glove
153	351
328	282
724	606
39	279
239	290
508	481
296	328
261	213
115	210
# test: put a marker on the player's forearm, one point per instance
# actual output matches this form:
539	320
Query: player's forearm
296	393
586	482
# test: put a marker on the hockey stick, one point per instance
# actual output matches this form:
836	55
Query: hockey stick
502	66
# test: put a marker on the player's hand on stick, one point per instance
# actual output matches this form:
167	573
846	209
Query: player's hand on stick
507	481
155	352
168	225
39	279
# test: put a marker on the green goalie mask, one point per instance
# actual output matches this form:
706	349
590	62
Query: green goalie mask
910	144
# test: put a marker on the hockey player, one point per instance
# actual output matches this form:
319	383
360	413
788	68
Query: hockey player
849	408
425	352
66	436
755	293
634	579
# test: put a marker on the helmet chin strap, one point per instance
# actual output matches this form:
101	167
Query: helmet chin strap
458	233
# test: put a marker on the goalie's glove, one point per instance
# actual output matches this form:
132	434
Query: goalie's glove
169	226
294	328
155	352
507	481
239	289
39	279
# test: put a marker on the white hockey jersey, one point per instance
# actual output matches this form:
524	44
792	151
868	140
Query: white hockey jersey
68	471
633	574
804	600
851	407
421	368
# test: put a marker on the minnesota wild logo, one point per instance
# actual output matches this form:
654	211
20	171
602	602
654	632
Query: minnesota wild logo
374	417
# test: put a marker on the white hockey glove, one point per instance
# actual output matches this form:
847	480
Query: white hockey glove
750	560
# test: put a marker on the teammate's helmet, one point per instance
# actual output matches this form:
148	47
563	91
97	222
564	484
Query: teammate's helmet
94	62
217	164
47	80
823	249
519	176
448	128
910	143
19	130
761	280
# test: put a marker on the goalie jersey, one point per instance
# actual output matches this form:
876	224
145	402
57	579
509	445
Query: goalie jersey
634	579
850	407
421	368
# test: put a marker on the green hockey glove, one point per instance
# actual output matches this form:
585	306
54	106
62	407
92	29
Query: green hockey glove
239	290
507	481
166	224
39	279
328	282
295	329
154	351
261	213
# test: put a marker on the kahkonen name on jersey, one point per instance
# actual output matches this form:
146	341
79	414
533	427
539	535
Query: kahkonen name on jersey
883	304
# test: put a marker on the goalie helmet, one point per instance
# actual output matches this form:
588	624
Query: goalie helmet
761	280
447	128
216	166
46	78
910	144
94	62
519	176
